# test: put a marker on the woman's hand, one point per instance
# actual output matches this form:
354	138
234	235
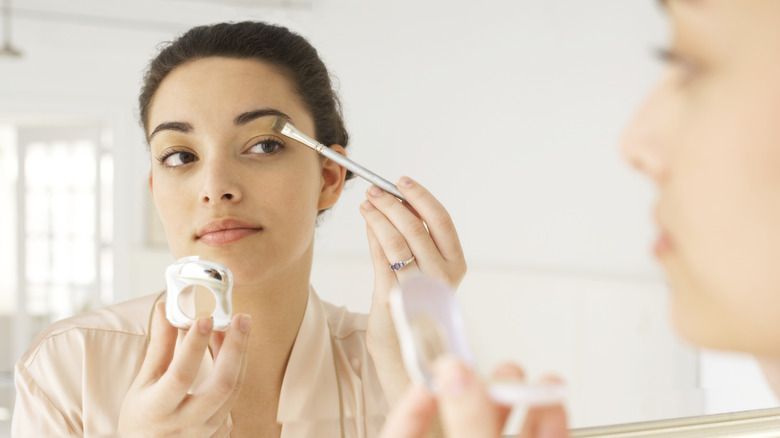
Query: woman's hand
159	404
465	410
397	231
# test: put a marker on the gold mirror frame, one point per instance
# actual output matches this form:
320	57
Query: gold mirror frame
763	423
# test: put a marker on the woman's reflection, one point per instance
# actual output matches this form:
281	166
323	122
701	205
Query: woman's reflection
230	189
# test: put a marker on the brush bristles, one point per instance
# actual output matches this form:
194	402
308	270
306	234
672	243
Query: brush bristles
278	124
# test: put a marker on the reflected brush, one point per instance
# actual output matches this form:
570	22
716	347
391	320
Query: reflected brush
288	130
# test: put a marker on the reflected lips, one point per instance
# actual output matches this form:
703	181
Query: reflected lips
662	246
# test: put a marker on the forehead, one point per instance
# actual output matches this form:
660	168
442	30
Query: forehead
742	24
220	88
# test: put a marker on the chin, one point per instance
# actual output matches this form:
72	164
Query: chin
698	326
722	330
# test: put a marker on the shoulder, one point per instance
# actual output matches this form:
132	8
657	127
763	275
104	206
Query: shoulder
127	320
74	376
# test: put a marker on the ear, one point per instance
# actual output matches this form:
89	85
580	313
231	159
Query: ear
333	178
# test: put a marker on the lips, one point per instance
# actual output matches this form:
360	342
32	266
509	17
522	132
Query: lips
663	243
226	231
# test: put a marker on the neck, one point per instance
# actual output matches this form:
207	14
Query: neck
277	304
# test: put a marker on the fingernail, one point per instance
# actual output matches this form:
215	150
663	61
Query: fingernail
244	323
367	205
375	191
452	376
405	181
205	325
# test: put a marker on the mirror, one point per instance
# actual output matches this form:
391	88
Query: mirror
509	111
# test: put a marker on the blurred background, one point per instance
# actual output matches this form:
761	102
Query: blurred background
509	111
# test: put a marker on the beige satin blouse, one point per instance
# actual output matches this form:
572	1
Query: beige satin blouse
73	379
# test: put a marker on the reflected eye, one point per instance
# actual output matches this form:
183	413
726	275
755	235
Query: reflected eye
266	146
686	69
177	158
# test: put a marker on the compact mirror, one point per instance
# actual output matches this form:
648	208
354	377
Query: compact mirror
197	288
429	325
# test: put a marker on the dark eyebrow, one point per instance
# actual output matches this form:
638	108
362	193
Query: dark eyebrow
172	126
243	119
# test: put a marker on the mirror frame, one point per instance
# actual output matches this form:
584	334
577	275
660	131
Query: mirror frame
762	423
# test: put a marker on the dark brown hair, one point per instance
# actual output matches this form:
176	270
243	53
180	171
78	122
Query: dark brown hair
275	45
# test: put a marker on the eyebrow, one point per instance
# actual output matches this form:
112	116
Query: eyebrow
172	126
243	119
240	120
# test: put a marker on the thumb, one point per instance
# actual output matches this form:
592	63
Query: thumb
465	408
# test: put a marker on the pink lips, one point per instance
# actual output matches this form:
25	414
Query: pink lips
662	246
226	231
663	243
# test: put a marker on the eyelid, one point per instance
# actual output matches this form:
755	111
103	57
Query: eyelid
673	56
266	138
688	66
163	157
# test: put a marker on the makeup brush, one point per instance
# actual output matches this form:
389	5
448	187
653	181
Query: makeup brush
288	130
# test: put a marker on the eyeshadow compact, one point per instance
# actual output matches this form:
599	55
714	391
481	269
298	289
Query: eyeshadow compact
429	325
197	288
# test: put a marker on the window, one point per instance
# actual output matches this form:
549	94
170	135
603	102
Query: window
56	185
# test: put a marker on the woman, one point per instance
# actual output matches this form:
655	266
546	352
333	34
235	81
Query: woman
231	190
708	137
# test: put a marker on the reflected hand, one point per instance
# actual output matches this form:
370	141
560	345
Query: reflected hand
465	409
159	404
422	228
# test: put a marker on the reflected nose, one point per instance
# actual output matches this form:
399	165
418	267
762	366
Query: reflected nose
645	140
220	182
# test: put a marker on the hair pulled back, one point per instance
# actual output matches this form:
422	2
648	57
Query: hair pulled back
273	44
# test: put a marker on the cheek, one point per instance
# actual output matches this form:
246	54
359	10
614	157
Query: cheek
725	192
172	208
296	190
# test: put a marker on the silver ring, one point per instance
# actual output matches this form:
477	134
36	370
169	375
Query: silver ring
397	266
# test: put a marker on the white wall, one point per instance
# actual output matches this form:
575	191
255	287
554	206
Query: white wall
510	111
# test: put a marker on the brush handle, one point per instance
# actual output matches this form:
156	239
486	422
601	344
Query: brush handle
362	172
291	131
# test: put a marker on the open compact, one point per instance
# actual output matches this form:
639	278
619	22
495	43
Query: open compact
197	288
429	325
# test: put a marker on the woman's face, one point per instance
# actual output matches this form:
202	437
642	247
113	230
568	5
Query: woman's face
227	187
709	138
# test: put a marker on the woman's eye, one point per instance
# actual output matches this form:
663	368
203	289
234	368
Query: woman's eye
685	68
178	158
266	146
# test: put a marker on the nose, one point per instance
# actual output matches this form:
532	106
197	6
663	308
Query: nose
220	182
644	144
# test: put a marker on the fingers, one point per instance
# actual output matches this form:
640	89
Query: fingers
440	224
378	258
218	392
507	371
162	344
546	421
465	407
431	237
412	415
397	240
186	362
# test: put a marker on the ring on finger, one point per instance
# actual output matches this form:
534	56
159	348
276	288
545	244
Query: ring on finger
397	266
